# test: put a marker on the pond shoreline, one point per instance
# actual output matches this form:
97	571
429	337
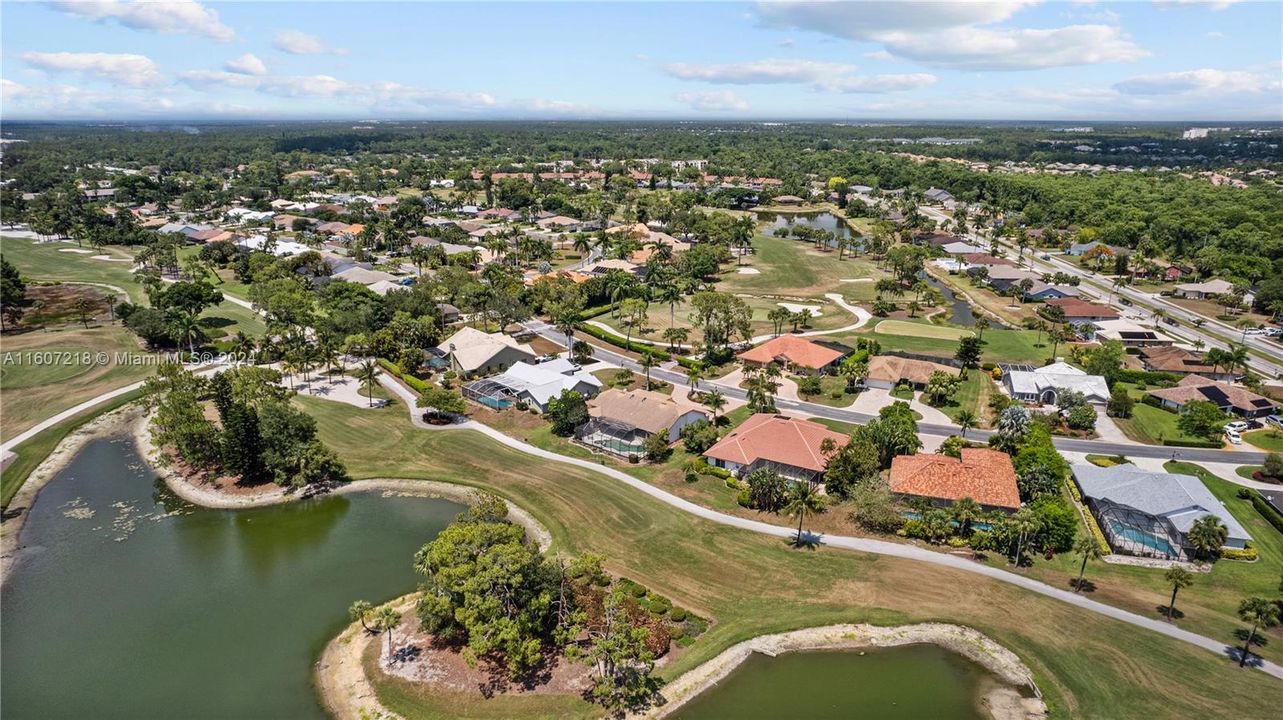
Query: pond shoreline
1003	702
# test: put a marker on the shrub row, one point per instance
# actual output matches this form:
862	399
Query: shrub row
1214	444
415	383
594	312
1145	376
1247	553
703	468
1263	506
625	343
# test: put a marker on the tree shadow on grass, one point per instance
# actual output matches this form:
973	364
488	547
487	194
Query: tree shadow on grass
1176	613
1086	586
215	321
807	541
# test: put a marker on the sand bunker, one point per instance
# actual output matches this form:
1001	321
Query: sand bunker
82	251
797	307
749	271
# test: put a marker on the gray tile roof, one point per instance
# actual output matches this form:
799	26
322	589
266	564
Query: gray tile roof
1182	499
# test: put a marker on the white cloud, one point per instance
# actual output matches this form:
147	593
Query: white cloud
10	89
877	83
1215	34
300	43
119	69
1214	5
759	72
870	20
386	96
1202	81
950	34
713	101
171	17
247	64
985	49
879	55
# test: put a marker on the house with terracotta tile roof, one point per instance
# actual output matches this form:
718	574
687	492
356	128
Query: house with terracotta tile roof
789	446
794	353
1081	313
981	474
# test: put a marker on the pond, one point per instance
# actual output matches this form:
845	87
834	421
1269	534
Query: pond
903	683
816	220
961	309
135	604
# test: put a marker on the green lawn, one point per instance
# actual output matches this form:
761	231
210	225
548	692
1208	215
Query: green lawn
31	453
44	262
796	268
1086	665
921	329
1017	346
1269	439
973	394
833	392
1149	424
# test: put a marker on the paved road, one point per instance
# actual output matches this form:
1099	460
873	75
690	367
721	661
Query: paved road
879	547
1267	356
1101	447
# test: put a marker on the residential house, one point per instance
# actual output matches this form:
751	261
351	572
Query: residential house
985	260
364	276
795	353
1229	398
1043	385
788	200
1179	361
938	195
471	352
449	313
936	239
561	223
791	447
621	420
603	267
1129	333
1002	278
1204	290
981	474
532	383
961	248
1150	513
1081	315
1042	291
887	371
1080	249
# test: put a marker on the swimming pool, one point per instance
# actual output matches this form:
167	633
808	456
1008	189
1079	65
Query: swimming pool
1120	530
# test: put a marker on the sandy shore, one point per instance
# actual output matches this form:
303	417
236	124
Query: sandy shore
16	515
1004	702
340	674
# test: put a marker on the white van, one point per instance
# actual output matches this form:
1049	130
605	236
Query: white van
1233	437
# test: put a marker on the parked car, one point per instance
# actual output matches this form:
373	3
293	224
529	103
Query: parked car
1233	437
1237	426
1275	420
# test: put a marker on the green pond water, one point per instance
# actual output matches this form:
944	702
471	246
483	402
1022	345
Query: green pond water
134	604
914	682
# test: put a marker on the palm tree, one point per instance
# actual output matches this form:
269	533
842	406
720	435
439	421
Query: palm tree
1260	612
367	372
804	498
1216	357
242	346
715	401
1179	578
981	324
966	511
1026	523
187	328
1235	357
1086	546
647	362
582	245
1207	535
385	621
670	293
966	419
694	374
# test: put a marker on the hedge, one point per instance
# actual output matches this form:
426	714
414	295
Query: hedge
590	313
624	343
1262	506
1144	376
415	383
1248	553
1214	444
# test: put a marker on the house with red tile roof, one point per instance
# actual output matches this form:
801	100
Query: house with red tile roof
981	474
794	353
789	446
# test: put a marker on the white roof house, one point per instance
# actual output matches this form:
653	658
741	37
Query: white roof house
362	276
282	248
961	248
538	383
1150	512
1042	385
472	351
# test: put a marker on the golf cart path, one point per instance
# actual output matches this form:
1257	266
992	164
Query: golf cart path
880	547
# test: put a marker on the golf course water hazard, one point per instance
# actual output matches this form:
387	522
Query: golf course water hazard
905	683
134	604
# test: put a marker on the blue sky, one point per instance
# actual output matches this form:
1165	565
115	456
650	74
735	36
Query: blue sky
1018	59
